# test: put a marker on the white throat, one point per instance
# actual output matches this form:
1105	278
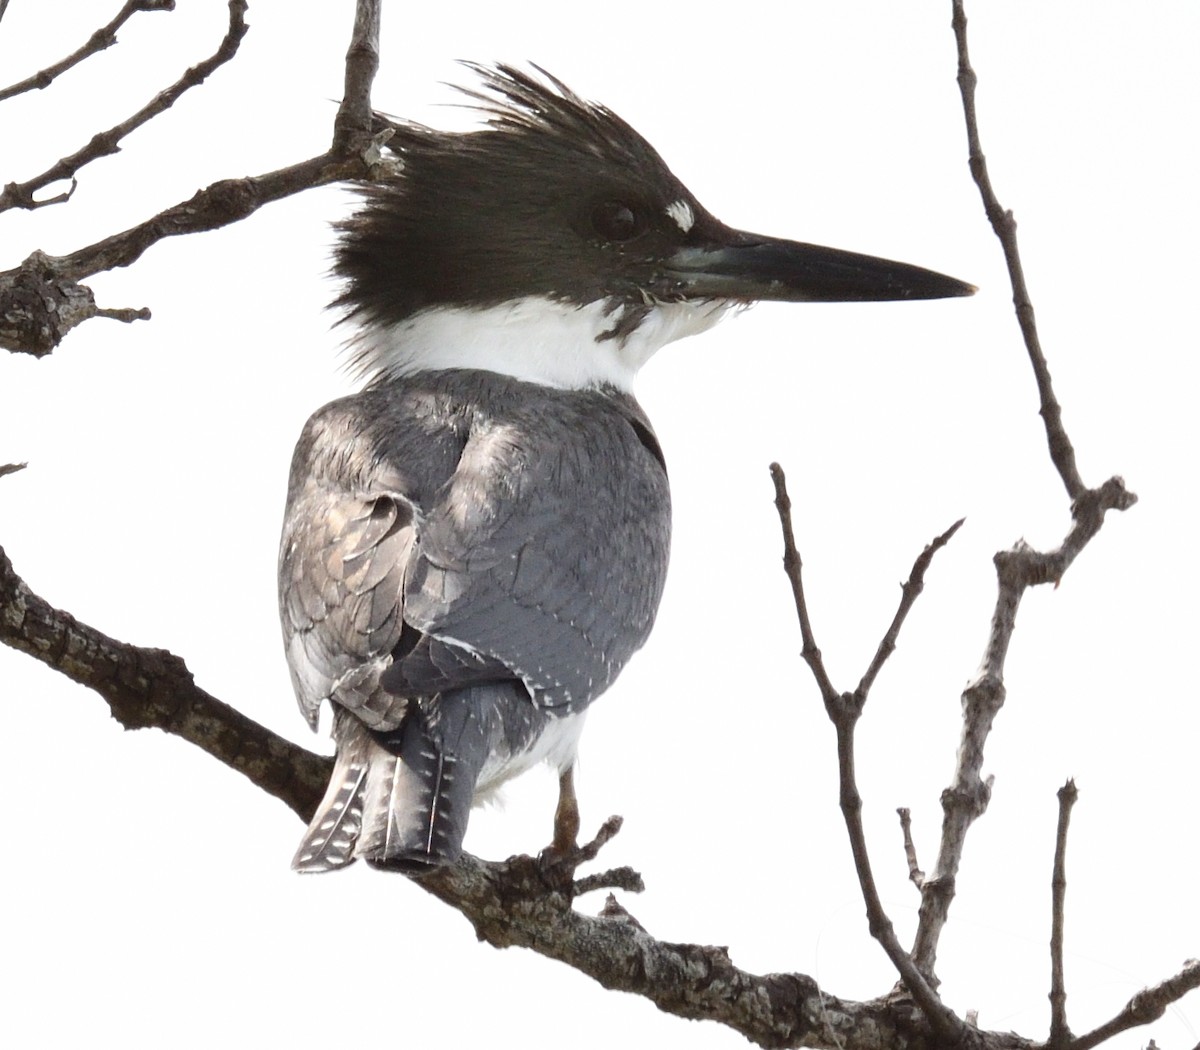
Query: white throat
535	339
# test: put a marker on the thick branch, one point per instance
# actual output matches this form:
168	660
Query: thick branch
1060	1034
352	127
102	38
1146	1006
509	903
153	688
21	195
38	306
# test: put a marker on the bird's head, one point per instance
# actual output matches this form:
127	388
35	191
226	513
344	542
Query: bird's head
555	245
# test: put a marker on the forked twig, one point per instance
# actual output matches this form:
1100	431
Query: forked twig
844	710
106	143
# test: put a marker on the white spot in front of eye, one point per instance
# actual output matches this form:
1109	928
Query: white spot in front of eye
682	215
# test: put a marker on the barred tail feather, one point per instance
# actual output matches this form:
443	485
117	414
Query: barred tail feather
331	838
402	798
417	804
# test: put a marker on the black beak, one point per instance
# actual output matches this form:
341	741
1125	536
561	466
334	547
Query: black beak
750	267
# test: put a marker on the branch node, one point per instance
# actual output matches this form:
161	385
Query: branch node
615	911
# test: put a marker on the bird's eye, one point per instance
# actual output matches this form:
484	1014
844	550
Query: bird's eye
616	221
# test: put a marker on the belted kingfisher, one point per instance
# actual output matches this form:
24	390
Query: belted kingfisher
476	544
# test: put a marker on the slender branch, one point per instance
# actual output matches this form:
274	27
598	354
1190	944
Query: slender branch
1146	1006
11	468
915	874
844	710
21	195
793	567
1060	1034
1062	452
1016	570
910	591
102	38
221	204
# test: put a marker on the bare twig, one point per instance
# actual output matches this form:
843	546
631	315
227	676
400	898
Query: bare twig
1061	450
11	468
915	874
41	301
1060	1034
102	38
1016	570
1147	1005
21	195
844	710
910	591
622	878
793	567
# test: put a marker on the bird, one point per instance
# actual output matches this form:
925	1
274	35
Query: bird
476	543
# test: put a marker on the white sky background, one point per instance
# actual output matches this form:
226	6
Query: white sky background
147	895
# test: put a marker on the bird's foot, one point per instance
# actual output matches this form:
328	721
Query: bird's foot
558	862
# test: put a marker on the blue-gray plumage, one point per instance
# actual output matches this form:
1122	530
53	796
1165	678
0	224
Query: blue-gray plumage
453	532
476	544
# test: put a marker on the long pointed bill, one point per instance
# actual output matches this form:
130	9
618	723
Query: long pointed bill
766	268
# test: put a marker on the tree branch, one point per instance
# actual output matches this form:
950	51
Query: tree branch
102	38
147	688
106	143
793	568
910	590
1060	1034
1062	452
915	874
1146	1006
509	903
1017	569
352	127
41	300
844	710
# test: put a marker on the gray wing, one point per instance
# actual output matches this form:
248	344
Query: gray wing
546	552
341	580
539	553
